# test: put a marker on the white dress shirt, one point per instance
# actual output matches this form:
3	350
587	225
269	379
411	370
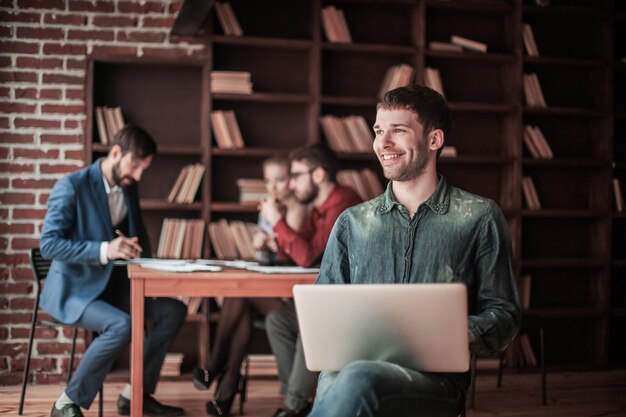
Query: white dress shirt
118	210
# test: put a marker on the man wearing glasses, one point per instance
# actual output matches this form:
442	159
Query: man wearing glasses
313	170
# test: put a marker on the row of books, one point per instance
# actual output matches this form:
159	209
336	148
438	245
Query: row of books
181	239
530	193
261	366
232	240
186	186
251	190
108	121
458	44
364	182
536	143
231	82
432	79
532	91
335	25
228	20
619	197
226	129
171	364
347	134
529	40
396	76
524	293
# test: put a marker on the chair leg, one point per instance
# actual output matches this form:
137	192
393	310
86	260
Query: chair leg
101	401
472	382
72	352
500	370
544	390
28	355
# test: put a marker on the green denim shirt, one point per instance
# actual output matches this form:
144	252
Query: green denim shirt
455	236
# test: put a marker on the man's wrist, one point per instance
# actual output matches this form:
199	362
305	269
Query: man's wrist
104	248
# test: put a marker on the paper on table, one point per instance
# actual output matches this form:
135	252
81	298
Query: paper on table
177	267
227	264
282	269
156	261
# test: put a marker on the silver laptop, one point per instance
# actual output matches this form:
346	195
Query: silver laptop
420	326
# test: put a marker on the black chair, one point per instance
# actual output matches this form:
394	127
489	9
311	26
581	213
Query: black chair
40	271
528	324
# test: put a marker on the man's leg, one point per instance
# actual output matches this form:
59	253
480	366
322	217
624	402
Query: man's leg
113	327
382	389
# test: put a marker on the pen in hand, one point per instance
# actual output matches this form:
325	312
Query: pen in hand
134	245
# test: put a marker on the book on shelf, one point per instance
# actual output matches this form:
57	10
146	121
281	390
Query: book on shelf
530	193
532	91
261	365
526	349
109	121
432	79
251	190
231	82
347	134
181	239
529	40
187	183
525	291
444	46
468	44
335	25
228	19
364	182
396	76
171	364
536	143
619	197
226	130
232	240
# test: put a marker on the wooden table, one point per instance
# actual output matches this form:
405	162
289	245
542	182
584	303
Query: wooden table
226	283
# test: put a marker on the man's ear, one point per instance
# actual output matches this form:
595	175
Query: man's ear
319	175
115	152
436	139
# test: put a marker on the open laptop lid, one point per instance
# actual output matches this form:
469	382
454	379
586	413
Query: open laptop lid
419	326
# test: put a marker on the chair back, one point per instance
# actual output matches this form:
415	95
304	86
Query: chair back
40	266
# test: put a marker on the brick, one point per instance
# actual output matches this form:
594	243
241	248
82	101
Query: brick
41	4
12	16
174	7
57	169
4	153
24	228
79	155
164	52
18	77
4	333
64	49
17	47
114	21
73	124
4	214
60	139
62	109
75	93
32	183
62	79
22	123
136	36
158	22
47	378
23	303
6	32
40	332
26	93
89	6
61	19
43	199
95	35
54	348
51	93
8	107
4	303
12	349
10	378
14	318
35	153
22	274
36	364
75	64
21	288
39	63
114	50
6	61
16	138
68	333
39	33
15	167
140	7
4	243
26	214
5	92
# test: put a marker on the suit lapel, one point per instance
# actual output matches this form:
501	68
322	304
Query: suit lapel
100	195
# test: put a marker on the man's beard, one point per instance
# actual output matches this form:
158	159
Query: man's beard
411	171
117	178
311	195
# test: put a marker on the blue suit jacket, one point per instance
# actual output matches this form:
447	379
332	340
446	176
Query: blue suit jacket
77	222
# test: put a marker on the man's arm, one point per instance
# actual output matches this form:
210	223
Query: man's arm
56	242
335	267
498	312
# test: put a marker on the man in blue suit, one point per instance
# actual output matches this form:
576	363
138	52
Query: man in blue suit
90	214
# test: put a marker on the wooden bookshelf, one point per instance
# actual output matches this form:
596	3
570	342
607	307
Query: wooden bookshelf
570	245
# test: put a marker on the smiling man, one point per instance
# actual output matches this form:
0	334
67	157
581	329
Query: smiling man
420	230
90	214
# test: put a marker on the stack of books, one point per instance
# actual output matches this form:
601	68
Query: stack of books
396	76
619	198
226	130
536	143
468	44
432	79
231	82
232	240
365	183
444	46
251	190
261	366
335	25
530	193
181	239
171	364
186	186
532	91
529	40
108	121
347	134
228	20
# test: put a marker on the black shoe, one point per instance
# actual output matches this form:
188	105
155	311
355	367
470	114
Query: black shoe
151	407
70	410
219	408
202	378
284	412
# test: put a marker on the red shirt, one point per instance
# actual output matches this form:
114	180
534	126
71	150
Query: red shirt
307	245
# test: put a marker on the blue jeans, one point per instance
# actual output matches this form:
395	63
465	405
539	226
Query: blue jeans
376	388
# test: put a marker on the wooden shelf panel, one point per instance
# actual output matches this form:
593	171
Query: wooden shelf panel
250	152
565	12
563	213
233	207
154	204
563	61
563	263
481	107
349	101
471	56
563	111
261	42
368	48
564	313
567	162
482	6
264	98
162	149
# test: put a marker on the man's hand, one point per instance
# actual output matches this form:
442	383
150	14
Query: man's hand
258	240
270	210
124	248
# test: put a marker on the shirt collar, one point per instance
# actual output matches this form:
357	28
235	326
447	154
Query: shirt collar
108	189
439	200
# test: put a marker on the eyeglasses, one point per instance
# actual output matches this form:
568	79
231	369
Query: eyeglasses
296	175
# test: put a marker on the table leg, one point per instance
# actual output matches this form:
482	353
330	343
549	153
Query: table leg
136	356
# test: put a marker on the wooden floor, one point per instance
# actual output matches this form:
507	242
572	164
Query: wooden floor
584	394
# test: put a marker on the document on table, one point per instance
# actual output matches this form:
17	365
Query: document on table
282	269
170	265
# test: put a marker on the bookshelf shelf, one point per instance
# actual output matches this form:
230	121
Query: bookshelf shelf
481	107
476	6
567	163
261	42
560	61
475	160
563	111
471	56
163	149
232	207
565	313
556	213
564	12
154	204
563	263
368	48
348	101
249	152
264	98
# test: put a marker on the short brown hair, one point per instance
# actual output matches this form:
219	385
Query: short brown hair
317	156
135	140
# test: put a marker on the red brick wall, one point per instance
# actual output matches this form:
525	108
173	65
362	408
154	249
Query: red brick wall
43	45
